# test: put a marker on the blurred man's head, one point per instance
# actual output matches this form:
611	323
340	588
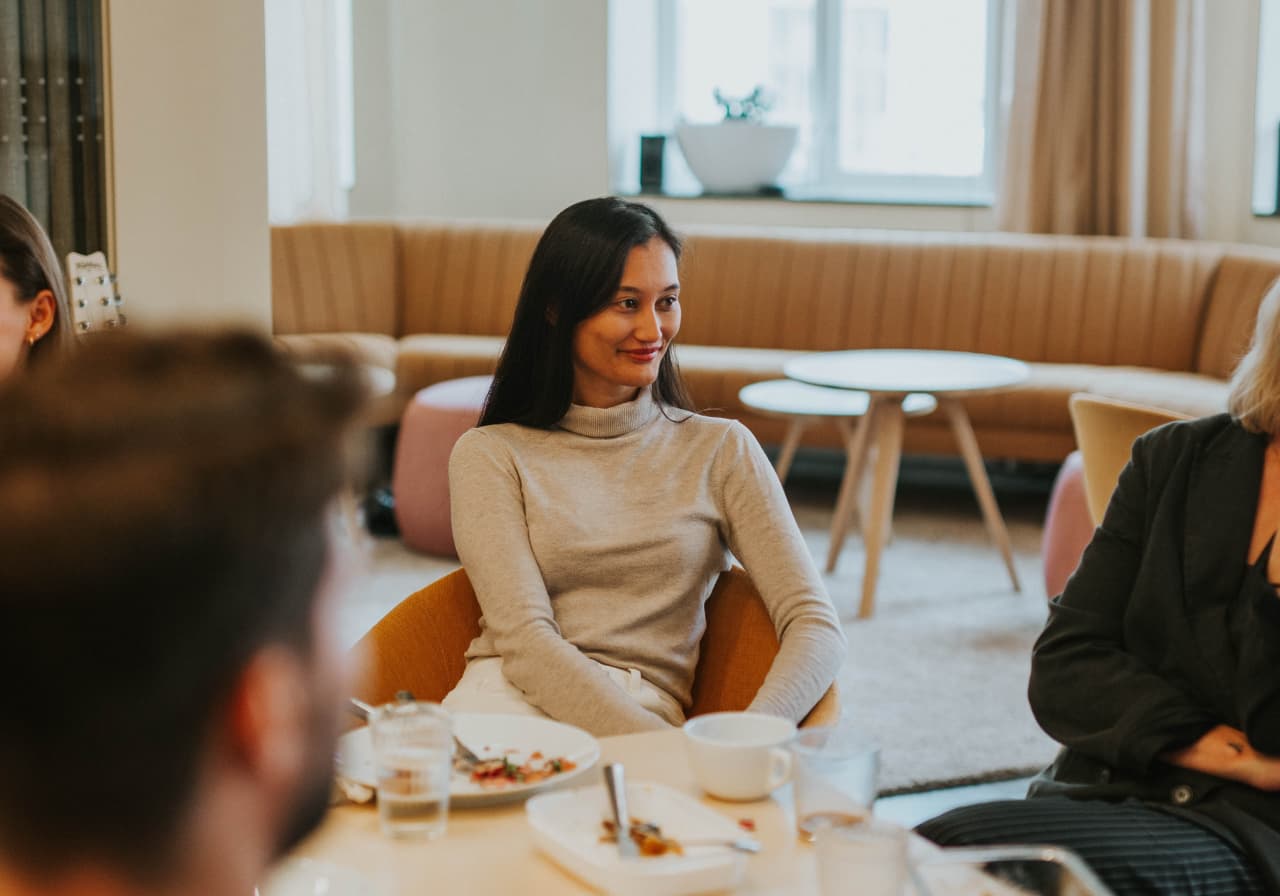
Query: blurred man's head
171	674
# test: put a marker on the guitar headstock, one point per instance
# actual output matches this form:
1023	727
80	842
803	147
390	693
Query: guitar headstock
96	303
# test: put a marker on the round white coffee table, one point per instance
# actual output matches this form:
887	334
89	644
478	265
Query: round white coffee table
889	376
803	405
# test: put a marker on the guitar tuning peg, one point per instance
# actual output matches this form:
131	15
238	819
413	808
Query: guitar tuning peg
105	301
121	318
84	325
118	299
102	280
80	303
79	281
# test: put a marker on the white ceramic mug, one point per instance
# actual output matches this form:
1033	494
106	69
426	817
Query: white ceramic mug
739	755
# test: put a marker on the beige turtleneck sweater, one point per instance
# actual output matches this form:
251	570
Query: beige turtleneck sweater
602	537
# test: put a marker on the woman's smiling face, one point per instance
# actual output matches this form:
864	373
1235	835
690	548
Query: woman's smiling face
618	350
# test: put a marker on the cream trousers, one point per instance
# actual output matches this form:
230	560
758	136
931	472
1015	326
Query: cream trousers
484	688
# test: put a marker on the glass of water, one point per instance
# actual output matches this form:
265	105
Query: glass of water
866	857
413	752
834	774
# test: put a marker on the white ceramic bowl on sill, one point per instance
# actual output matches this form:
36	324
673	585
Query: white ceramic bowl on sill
736	156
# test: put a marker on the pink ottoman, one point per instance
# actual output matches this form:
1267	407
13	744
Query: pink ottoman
1068	527
434	420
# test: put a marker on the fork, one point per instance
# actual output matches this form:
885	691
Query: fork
464	754
741	844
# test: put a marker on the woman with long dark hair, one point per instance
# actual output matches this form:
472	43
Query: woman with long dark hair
34	317
593	510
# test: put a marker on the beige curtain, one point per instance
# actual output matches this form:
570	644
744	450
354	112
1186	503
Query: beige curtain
1105	121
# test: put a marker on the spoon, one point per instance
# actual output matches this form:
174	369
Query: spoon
616	785
741	844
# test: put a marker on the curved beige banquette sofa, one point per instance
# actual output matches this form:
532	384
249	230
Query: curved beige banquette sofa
1158	322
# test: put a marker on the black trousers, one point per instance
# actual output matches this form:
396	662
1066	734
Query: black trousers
1135	849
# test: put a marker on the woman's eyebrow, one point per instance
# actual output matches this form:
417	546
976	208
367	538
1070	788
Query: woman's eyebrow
638	291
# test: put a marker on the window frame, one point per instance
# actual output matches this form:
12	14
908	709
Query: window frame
828	181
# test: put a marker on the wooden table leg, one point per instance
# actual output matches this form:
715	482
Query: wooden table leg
855	450
968	442
889	419
857	453
789	445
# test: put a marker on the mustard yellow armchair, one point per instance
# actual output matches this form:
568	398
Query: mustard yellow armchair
419	647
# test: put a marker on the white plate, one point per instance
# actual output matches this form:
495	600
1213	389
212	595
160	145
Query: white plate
567	827
312	877
492	736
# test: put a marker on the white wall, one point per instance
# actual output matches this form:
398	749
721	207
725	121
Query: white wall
497	108
500	110
189	162
375	147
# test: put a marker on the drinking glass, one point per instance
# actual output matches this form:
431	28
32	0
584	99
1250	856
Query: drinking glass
834	776
413	753
867	857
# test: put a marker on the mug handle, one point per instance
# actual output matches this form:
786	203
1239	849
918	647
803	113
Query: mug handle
779	768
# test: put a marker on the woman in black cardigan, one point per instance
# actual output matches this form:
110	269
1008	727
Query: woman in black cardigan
1159	667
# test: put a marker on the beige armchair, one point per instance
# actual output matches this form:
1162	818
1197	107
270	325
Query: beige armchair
1105	431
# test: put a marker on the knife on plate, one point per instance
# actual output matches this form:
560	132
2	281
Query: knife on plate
616	784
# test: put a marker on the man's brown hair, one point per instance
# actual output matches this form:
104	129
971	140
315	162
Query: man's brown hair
164	512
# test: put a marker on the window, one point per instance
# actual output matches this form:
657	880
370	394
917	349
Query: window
1266	187
895	100
310	114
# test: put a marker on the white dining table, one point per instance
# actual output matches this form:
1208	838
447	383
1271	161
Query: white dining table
491	849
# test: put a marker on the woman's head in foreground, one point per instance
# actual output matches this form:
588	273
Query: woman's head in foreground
34	318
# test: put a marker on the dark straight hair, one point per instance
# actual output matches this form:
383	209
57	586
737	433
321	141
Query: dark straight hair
575	271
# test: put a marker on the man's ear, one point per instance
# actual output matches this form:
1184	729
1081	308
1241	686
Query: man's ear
267	718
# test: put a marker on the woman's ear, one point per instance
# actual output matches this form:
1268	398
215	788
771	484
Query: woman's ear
41	313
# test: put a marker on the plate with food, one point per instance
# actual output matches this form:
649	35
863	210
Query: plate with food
520	755
684	846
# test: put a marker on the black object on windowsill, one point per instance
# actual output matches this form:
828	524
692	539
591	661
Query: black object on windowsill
652	149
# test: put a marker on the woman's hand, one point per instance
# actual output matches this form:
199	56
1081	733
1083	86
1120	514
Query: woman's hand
1226	752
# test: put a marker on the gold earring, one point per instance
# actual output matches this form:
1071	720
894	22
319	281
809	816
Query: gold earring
31	340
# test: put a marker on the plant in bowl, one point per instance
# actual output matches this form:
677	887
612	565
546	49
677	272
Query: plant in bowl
739	154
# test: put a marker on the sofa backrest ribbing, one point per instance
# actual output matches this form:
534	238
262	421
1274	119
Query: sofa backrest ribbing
335	278
463	277
1242	278
1165	304
1052	299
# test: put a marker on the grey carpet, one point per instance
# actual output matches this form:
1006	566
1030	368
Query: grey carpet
938	676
